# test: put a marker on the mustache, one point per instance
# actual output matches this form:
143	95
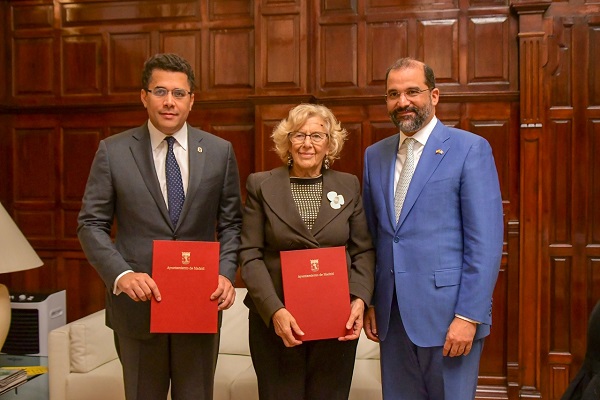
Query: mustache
405	109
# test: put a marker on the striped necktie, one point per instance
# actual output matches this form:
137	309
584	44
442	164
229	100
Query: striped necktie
405	176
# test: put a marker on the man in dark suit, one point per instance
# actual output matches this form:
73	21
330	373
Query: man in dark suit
434	209
162	181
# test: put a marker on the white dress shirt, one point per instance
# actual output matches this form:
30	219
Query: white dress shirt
421	139
159	153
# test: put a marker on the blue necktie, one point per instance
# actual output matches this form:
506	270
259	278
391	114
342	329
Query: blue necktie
175	194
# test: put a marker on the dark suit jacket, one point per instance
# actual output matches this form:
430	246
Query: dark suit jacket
123	185
586	384
272	223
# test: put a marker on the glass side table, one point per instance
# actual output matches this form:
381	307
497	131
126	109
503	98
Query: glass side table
35	388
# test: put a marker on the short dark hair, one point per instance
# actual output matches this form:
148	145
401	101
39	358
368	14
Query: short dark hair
409	62
168	62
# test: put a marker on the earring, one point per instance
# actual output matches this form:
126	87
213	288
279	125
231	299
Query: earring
326	163
290	160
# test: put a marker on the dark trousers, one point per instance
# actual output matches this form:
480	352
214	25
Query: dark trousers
185	361
315	370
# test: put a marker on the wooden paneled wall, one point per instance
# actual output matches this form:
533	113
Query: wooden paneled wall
569	143
510	71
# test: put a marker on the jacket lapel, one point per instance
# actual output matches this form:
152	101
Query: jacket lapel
387	168
197	164
277	194
429	161
326	211
141	150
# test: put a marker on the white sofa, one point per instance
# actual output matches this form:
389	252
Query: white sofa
83	363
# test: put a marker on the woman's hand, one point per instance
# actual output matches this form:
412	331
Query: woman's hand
285	327
225	293
355	322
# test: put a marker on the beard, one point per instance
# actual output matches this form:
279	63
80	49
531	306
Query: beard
411	124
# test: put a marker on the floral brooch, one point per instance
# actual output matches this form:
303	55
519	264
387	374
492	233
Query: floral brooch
336	200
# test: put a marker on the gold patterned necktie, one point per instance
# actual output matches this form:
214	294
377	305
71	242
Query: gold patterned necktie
405	176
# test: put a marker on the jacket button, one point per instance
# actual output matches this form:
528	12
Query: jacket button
396	239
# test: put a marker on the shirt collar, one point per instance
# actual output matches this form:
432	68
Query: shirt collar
422	135
157	137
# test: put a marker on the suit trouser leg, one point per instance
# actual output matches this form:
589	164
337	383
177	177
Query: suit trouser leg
330	365
410	372
315	370
461	373
186	361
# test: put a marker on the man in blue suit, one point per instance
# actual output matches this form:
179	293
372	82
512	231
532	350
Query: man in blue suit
439	244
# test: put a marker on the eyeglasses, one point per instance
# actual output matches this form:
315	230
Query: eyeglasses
409	94
300	137
160	92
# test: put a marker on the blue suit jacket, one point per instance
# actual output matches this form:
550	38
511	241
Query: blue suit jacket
444	254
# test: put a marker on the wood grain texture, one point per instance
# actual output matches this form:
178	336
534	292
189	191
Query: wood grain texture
520	73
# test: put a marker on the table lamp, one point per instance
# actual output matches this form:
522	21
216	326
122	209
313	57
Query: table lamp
16	254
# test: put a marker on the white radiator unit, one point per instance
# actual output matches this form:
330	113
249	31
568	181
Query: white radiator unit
33	317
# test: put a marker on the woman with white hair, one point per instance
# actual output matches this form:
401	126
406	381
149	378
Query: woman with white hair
303	205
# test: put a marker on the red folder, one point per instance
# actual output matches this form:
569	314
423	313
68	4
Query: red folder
315	286
186	274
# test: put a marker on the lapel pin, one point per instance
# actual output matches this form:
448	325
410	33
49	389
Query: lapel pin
199	149
439	151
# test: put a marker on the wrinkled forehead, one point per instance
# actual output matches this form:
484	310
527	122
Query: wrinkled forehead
405	78
313	123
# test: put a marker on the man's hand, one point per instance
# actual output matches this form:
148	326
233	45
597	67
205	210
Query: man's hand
225	293
285	326
459	338
139	286
371	325
355	321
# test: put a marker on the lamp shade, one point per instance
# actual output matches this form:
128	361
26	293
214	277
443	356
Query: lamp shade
16	254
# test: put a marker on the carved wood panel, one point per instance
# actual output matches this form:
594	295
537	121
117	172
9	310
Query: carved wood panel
439	45
282	51
571	180
378	34
488	37
73	73
82	66
393	37
33	57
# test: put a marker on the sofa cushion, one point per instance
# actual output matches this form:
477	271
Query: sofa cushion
92	343
366	381
234	327
245	386
95	371
104	382
367	349
229	369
